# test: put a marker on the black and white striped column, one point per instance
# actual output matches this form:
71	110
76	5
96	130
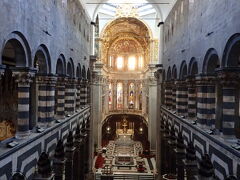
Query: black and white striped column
206	114
60	111
83	93
168	95
211	103
78	86
23	80
46	99
88	92
174	96
181	98
201	100
70	92
192	103
230	104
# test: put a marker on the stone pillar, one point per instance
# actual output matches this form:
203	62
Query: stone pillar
44	169
168	95
69	157
97	109
83	93
88	92
23	79
106	98
59	161
174	96
206	101
50	98
230	104
46	99
60	111
182	98
192	103
152	107
70	91
78	97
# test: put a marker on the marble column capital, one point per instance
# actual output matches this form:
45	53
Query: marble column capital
152	80
23	76
205	80
229	76
191	81
61	80
180	83
49	79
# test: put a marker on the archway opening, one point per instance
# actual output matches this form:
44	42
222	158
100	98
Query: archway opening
13	56
136	125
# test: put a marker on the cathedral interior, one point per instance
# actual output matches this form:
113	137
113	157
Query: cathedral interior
120	90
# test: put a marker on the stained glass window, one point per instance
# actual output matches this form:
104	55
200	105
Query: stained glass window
119	96
131	95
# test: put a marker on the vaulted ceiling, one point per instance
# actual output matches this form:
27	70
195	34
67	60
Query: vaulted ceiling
162	7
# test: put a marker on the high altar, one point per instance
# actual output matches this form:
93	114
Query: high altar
125	129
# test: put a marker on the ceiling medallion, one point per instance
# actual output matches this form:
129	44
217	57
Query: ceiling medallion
126	10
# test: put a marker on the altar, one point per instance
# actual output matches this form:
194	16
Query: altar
122	157
124	129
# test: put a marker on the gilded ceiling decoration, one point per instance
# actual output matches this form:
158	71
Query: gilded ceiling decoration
125	35
125	46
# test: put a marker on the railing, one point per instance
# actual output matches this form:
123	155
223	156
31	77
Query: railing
125	177
24	156
223	155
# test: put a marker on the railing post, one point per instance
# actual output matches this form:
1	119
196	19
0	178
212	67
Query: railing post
44	169
69	155
190	162
59	161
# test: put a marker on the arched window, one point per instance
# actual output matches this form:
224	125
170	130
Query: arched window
132	63
131	98
119	95
119	62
